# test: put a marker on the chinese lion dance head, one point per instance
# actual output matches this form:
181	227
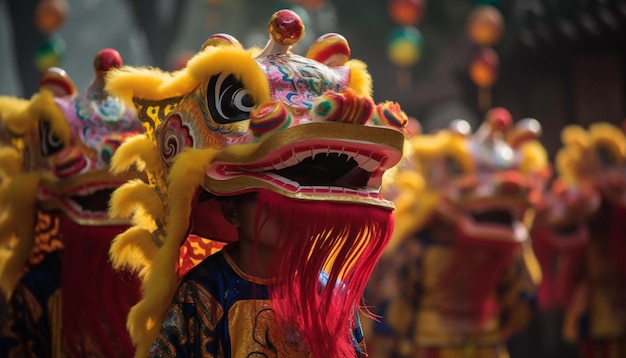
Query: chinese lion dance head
56	186
474	192
596	157
302	132
482	185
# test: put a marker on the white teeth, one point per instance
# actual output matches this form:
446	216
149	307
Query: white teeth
350	191
73	205
301	156
279	165
88	190
285	164
321	189
366	162
278	178
370	165
363	160
360	159
315	152
291	162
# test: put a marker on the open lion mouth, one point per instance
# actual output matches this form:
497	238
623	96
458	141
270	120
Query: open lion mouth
87	203
567	229
332	169
494	217
95	203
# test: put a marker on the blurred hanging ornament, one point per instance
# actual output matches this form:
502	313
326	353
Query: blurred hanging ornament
406	12
50	53
484	70
312	5
404	49
50	15
485	25
405	46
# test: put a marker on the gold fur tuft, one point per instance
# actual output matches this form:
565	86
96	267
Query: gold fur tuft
11	160
21	196
609	135
138	150
186	176
126	199
360	78
7	229
535	157
575	135
155	84
43	107
133	250
127	82
12	111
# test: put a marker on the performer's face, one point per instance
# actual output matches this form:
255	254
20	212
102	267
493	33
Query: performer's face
241	211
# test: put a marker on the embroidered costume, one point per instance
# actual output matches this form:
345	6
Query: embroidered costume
205	306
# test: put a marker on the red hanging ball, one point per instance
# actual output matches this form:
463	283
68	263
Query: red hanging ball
406	12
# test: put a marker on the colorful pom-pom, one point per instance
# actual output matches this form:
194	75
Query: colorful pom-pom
328	107
268	117
57	81
390	113
330	49
220	40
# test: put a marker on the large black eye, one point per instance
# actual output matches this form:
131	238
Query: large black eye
605	155
50	143
228	100
453	167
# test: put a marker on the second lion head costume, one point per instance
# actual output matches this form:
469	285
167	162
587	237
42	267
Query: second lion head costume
300	131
